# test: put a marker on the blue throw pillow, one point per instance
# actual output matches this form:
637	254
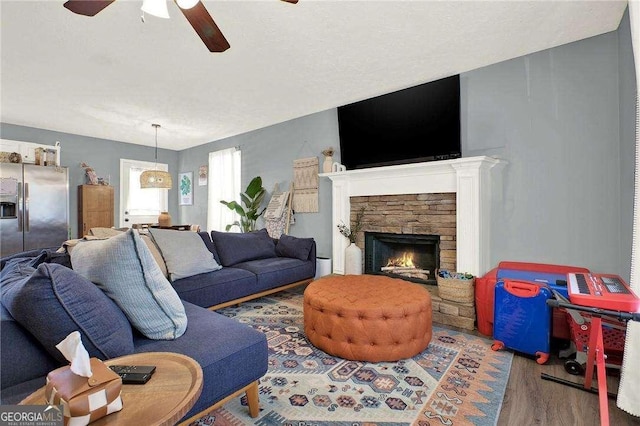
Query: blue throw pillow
32	254
234	248
298	248
42	256
124	268
52	301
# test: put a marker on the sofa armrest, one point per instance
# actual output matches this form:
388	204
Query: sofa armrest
312	252
312	257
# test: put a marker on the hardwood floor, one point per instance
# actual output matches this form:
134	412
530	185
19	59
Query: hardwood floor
531	400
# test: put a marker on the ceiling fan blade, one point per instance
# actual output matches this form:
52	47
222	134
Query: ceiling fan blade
202	22
87	7
291	1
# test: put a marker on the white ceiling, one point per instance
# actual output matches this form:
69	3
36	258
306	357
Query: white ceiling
110	76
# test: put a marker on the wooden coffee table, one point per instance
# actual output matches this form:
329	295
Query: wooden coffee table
163	400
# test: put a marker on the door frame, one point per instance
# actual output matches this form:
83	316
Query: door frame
124	182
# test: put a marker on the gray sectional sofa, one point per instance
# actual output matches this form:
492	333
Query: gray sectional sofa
44	298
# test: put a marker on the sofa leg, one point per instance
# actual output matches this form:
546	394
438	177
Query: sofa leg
253	400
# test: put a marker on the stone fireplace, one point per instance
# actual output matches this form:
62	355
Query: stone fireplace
468	182
419	225
444	205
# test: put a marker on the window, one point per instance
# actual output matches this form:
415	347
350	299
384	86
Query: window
140	205
224	184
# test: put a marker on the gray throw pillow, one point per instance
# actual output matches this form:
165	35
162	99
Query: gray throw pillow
184	253
234	248
124	268
52	301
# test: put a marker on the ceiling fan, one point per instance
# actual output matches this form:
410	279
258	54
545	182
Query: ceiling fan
194	11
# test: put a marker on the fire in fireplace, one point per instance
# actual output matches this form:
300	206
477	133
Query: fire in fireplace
412	257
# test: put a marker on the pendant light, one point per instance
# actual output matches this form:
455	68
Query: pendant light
156	178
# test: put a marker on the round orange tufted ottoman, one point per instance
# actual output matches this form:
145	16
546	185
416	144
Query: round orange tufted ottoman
367	317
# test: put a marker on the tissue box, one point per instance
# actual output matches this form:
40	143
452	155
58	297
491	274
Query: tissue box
84	399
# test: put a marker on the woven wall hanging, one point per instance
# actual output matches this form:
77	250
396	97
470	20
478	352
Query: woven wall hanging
305	185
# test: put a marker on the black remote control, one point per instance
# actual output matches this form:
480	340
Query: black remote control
134	374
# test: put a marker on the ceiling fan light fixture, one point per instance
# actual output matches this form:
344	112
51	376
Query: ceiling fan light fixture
156	178
187	4
157	8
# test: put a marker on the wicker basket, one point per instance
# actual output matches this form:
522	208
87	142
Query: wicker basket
456	290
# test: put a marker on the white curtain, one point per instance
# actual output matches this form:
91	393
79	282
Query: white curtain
224	184
629	390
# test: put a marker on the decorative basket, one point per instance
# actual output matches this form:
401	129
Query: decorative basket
456	289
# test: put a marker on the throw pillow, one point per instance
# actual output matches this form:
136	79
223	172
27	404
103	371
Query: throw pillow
101	232
184	252
52	301
234	248
206	238
49	256
30	254
298	248
155	252
123	267
16	268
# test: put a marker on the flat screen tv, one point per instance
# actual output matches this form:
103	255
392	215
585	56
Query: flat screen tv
417	124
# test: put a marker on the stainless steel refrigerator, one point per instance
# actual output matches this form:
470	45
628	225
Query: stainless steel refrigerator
34	207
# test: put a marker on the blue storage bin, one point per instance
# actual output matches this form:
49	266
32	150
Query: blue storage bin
522	318
550	279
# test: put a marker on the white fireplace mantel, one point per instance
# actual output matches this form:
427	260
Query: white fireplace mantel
470	178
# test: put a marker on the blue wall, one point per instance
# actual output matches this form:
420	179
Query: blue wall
563	119
269	153
555	117
101	154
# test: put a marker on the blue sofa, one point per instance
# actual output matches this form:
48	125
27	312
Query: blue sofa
251	268
233	356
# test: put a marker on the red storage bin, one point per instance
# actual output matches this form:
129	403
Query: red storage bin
541	267
485	287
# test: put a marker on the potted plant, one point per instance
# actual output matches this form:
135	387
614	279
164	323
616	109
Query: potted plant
251	199
352	233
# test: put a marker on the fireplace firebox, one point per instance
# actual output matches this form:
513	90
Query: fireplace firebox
411	257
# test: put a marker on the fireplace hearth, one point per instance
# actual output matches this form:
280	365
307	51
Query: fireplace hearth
411	257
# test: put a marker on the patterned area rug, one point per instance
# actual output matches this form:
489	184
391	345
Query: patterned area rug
457	380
